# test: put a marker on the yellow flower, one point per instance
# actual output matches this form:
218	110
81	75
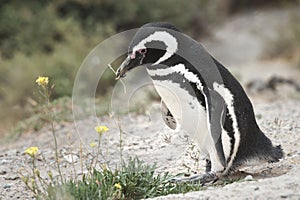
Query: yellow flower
93	144
32	151
104	167
118	186
101	129
42	81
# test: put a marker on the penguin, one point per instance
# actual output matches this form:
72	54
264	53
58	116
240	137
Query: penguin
200	96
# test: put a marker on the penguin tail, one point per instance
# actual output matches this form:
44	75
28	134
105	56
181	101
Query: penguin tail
276	153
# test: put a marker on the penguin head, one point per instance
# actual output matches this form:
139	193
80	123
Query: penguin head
152	44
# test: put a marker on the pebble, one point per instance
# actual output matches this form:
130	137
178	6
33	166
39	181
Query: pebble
248	178
2	172
71	158
3	162
7	186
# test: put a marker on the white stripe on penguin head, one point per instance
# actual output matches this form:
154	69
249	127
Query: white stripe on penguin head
161	36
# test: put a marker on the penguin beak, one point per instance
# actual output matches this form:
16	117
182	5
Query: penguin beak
124	67
129	63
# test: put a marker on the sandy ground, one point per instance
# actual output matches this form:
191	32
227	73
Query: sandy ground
147	137
170	150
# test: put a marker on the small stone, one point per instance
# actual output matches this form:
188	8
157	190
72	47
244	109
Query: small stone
187	174
71	158
3	162
248	178
3	172
7	186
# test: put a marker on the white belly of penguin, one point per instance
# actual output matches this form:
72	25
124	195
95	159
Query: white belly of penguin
189	114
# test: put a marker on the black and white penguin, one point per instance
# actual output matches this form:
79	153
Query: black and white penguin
200	96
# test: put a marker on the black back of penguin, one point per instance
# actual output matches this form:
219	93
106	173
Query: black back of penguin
254	144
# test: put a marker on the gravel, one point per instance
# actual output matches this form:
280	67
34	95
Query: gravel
170	150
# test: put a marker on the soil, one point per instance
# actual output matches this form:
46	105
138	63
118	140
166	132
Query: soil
169	149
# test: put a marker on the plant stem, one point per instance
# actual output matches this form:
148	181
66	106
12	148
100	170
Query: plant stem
53	133
81	162
56	152
34	185
121	151
120	137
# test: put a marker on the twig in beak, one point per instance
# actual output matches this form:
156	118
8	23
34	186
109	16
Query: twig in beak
117	78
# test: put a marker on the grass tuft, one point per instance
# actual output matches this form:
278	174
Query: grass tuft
134	180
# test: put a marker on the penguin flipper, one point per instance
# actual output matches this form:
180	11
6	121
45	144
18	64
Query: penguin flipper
215	106
167	116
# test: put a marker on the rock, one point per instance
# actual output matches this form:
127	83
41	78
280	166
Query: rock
7	186
71	158
2	172
248	178
4	161
18	152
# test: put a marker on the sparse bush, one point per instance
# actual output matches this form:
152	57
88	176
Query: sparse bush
127	14
27	28
61	65
233	6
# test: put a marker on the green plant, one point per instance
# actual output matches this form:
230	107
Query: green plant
45	91
134	180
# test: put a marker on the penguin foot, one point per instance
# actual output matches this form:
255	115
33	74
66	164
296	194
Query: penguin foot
209	177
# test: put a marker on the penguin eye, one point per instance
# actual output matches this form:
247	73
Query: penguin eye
142	51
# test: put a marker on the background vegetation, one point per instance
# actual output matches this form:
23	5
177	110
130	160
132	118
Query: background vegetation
52	38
